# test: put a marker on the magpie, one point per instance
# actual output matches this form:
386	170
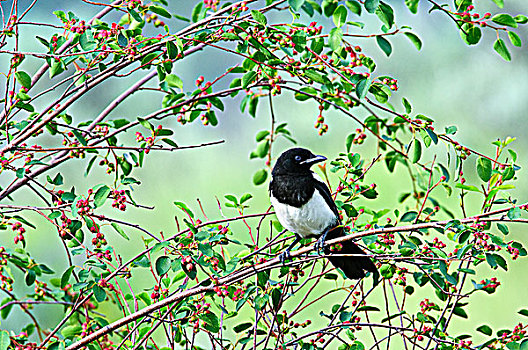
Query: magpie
303	204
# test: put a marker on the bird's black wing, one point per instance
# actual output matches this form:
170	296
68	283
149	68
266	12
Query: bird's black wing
325	193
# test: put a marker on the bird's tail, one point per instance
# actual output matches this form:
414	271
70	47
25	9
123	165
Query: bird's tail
354	267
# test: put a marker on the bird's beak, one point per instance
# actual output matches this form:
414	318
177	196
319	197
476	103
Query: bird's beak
313	160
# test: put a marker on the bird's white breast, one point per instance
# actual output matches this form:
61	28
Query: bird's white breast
311	219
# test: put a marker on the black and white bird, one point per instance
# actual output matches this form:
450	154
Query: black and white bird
303	204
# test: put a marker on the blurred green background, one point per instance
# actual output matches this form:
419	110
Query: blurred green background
470	87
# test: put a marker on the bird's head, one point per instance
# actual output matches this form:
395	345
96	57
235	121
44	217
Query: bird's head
296	161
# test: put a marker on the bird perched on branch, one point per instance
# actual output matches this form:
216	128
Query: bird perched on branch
303	204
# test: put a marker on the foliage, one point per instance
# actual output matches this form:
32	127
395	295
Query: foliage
209	285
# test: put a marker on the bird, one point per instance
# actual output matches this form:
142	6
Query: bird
303	205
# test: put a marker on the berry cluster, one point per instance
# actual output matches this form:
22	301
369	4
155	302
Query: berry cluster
110	167
75	27
490	285
426	305
54	43
17	227
419	334
221	290
187	263
438	243
83	206
112	32
463	344
17	59
387	238
106	254
468	17
319	123
391	83
518	333
131	4
119	199
240	7
401	278
296	272
360	138
513	251
481	240
101	130
158	292
154	18
65	223
40	288
211	4
99	240
6	281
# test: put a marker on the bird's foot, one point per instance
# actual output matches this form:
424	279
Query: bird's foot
285	255
319	245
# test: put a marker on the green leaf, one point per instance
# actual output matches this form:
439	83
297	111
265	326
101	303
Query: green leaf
515	39
56	68
259	17
505	19
295	4
23	79
485	329
260	177
174	81
212	323
371	5
384	45
499	3
500	47
414	39
242	327
248	78
99	293
87	41
503	228
65	278
522	19
484	169
386	14
472	34
451	130
354	6
523	312
120	231
336	38
4	340
101	195
163	264
145	123
417	151
362	88
160	11
135	15
340	16
412	5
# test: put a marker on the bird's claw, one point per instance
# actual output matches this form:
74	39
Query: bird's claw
284	256
319	245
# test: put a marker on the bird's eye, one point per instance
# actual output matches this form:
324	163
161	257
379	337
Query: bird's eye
298	158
